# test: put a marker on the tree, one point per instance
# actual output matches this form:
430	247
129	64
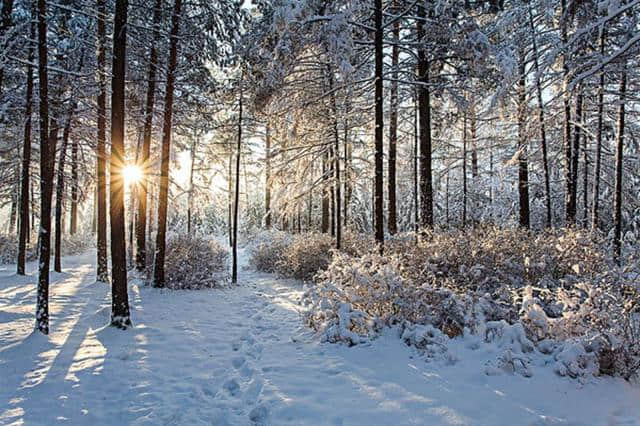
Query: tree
379	127
158	268
120	315
102	273
617	203
393	127
236	192
47	159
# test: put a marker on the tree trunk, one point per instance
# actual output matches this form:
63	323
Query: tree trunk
473	133
120	315
236	194
336	166
617	202
598	165
5	24
543	133
158	269
190	196
570	215
102	273
267	178
325	195
47	152
25	184
379	146
575	153
523	145
464	170
73	226
424	105
416	208
145	164
392	220
57	266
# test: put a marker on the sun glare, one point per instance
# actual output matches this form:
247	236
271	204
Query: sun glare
132	174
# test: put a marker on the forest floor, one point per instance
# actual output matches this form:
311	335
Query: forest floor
242	355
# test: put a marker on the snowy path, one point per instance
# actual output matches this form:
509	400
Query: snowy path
241	356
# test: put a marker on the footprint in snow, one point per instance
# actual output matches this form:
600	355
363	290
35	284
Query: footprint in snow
232	386
259	415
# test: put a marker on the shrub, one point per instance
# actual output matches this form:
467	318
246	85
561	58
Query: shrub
553	293
9	249
268	249
194	263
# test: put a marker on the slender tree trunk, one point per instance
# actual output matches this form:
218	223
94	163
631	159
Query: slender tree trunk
336	166
120	315
523	145
145	163
5	24
25	184
392	220
57	265
379	145
190	199
47	152
73	226
416	218
236	193
599	131
14	209
617	202
230	200
325	194
332	194
464	169
585	176
347	169
575	153
473	133
267	178
424	101
543	133
102	273
570	215
158	270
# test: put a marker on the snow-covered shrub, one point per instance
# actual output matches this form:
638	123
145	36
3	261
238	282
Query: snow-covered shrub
194	263
268	249
76	243
9	249
305	256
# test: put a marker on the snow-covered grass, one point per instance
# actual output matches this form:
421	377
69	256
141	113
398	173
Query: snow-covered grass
242	355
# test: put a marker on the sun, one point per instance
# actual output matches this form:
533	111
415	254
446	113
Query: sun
132	174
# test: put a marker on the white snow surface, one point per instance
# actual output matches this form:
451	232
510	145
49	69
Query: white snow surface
242	356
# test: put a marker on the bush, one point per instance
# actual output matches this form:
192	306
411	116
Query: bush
77	243
9	249
553	293
194	263
268	249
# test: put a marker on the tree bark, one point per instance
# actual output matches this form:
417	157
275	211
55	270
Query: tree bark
47	152
325	194
102	273
575	153
25	184
599	131
523	145
379	143
120	314
464	170
392	220
145	165
57	266
424	105
5	23
617	202
190	196
236	193
569	202
158	269
267	178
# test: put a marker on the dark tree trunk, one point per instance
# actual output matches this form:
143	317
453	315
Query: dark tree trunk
570	215
236	194
57	265
585	176
617	202
392	221
424	105
523	145
416	208
47	159
120	315
230	200
158	269
575	153
267	178
543	133
325	194
332	194
190	200
102	273
5	24
473	133
145	164
379	143
25	184
14	209
599	131
73	225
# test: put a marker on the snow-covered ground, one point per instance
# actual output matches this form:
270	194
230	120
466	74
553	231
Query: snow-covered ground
242	356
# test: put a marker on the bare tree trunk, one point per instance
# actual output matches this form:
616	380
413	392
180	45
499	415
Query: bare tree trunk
598	165
267	178
73	226
575	153
392	220
47	159
523	145
464	169
102	273
416	218
14	209
424	100
230	200
120	315
336	167
57	265
617	202
5	24
236	193
190	196
474	140
25	184
379	146
543	133
569	202
158	269
325	194
145	164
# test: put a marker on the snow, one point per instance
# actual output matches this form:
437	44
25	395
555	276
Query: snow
242	355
